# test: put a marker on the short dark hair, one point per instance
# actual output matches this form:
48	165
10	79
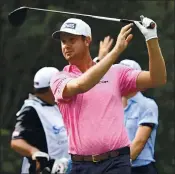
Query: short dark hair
41	90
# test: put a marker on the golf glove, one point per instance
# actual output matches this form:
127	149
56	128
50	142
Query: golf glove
60	166
149	33
40	154
42	158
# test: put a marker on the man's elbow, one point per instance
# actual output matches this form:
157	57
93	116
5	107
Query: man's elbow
148	80
156	81
163	81
16	143
159	82
13	144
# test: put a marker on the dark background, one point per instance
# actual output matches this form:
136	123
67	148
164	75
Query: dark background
25	49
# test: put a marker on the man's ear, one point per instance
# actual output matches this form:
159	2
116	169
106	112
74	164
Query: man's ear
88	41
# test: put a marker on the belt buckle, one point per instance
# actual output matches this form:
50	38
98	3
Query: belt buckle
93	159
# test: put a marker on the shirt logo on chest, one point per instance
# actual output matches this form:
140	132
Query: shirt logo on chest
57	130
103	81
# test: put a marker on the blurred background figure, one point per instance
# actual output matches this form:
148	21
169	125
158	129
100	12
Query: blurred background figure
39	134
141	121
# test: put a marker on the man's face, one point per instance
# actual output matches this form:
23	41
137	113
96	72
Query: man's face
73	46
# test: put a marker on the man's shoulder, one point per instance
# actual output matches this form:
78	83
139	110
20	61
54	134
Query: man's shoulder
149	103
27	110
121	68
116	68
149	100
66	72
61	75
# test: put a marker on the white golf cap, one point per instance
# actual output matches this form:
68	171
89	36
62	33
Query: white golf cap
43	76
131	63
73	26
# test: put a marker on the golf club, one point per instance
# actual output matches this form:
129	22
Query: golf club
18	16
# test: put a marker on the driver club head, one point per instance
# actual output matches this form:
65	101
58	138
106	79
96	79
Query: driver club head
18	16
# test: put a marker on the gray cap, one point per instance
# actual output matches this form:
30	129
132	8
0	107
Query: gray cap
73	26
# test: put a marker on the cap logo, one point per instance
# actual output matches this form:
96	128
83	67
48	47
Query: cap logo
36	83
70	25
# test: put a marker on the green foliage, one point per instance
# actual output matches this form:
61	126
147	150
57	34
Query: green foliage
25	49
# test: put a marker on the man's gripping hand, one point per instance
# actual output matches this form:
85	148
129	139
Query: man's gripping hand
60	166
149	33
44	163
41	160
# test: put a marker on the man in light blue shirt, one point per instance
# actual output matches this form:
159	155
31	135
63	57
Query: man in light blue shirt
141	121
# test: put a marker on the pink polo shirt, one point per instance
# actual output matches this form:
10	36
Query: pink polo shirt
94	120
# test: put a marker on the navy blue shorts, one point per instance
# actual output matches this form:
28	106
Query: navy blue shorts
147	169
117	165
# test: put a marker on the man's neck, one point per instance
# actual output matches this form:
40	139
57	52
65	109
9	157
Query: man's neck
84	63
44	99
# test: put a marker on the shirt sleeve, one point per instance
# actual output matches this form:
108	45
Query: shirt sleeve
27	122
150	115
58	83
151	125
127	79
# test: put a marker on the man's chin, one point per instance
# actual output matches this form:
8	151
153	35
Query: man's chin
68	58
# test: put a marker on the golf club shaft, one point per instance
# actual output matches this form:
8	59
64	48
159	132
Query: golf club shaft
17	16
87	15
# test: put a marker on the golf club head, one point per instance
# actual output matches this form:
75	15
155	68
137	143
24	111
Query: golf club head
18	16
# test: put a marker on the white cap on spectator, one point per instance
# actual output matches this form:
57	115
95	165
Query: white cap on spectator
43	76
73	26
131	63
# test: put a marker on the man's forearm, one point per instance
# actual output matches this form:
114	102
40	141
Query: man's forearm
23	148
91	77
156	63
136	148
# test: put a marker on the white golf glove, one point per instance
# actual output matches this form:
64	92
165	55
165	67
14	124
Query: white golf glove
149	33
60	166
40	154
42	158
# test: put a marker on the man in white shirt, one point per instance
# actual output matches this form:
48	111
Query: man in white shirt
39	134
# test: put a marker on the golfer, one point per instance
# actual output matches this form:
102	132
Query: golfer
89	96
